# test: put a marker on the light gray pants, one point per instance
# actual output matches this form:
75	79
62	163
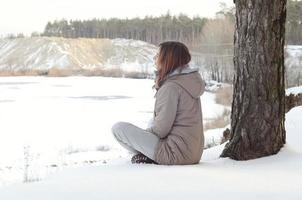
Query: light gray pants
135	139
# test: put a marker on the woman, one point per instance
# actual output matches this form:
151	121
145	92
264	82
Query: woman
176	135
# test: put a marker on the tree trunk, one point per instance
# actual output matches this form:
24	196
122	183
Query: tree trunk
258	108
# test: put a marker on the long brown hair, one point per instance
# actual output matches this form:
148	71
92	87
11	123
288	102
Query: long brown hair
171	55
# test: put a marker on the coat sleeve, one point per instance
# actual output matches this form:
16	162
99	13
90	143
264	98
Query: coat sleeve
165	110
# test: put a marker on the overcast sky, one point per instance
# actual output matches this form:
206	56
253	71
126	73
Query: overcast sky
32	15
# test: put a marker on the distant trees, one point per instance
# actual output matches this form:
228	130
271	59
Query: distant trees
294	22
165	27
14	36
150	29
35	34
217	47
210	40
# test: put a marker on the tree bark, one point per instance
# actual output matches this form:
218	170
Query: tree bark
258	107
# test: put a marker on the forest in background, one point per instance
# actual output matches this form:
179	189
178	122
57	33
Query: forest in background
209	39
167	27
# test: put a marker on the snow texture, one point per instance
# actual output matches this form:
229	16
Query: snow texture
294	90
48	113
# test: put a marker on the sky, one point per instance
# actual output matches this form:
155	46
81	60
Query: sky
28	16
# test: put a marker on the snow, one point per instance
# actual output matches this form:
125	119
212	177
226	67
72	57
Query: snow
213	137
50	113
58	117
294	90
213	86
44	53
294	50
294	57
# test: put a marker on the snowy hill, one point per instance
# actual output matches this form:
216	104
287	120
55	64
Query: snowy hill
45	53
39	55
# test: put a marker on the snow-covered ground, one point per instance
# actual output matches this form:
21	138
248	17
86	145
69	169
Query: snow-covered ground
66	122
294	90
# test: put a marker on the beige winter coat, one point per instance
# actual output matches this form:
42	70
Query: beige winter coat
178	118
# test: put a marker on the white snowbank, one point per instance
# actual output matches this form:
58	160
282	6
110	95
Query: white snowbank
294	90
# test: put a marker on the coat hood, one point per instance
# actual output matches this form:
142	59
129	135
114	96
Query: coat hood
189	79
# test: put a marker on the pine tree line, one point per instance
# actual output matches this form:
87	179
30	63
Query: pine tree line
166	27
150	29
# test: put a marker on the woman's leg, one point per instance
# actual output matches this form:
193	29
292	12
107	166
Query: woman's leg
135	139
